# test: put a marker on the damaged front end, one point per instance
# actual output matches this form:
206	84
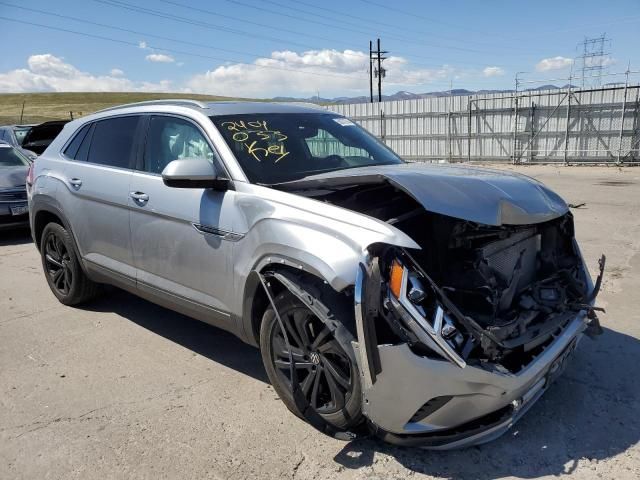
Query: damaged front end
458	339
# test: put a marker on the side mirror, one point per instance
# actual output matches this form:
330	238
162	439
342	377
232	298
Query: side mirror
193	173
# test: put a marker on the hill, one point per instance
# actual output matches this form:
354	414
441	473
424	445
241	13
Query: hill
40	107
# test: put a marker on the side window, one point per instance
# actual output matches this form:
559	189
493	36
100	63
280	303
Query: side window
171	138
72	149
112	142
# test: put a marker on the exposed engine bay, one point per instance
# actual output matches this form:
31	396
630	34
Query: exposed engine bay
490	294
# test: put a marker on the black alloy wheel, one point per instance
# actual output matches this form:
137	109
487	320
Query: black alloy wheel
58	264
325	367
322	367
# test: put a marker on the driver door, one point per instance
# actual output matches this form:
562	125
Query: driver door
181	257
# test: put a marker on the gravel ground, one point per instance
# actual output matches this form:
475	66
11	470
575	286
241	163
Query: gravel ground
125	389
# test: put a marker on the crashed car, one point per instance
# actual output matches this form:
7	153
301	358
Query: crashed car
429	304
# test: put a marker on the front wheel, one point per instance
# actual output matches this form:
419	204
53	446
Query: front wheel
327	372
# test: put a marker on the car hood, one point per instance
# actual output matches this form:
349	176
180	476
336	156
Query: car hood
482	195
12	177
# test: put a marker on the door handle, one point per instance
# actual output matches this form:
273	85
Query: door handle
75	182
139	197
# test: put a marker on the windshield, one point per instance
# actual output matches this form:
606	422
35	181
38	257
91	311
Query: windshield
280	147
10	157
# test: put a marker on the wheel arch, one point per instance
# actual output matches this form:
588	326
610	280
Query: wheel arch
255	300
43	212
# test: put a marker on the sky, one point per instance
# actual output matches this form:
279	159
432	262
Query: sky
301	48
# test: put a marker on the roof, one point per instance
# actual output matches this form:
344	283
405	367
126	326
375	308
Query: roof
228	108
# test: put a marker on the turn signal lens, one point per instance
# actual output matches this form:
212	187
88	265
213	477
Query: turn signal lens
395	279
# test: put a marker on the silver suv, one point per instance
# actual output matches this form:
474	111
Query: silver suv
429	304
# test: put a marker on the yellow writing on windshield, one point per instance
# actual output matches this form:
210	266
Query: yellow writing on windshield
261	142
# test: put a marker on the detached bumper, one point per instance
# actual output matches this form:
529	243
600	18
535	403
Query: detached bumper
434	403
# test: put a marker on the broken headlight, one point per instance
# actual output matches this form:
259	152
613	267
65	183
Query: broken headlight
417	304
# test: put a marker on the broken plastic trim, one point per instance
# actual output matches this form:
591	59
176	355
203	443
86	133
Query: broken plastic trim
474	329
303	406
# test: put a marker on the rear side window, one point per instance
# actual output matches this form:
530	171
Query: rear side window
72	149
112	142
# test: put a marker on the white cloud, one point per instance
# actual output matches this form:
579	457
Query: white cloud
142	44
331	72
553	63
48	73
493	71
284	73
159	58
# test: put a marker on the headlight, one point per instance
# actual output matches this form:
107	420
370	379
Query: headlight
421	311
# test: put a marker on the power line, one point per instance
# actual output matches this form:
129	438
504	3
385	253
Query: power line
333	25
411	14
156	13
160	37
387	24
244	20
136	32
170	50
188	21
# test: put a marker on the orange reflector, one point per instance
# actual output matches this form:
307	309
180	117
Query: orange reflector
395	279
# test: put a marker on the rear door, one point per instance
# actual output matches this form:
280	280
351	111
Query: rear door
181	237
96	198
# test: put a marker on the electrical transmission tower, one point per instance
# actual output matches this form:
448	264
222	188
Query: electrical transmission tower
594	59
376	69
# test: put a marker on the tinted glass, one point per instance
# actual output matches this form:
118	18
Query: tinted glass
280	147
83	151
9	157
171	138
72	149
112	142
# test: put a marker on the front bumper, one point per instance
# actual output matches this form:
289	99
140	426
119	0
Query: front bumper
481	404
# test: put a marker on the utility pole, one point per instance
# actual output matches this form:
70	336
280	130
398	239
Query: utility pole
371	70
379	72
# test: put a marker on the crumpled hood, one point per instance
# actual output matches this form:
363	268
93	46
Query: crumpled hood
11	177
482	195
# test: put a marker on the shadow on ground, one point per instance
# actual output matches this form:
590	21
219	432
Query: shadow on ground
208	341
20	236
589	413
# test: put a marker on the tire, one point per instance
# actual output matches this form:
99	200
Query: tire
331	363
62	268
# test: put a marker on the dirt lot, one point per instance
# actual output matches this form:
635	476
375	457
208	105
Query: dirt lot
125	389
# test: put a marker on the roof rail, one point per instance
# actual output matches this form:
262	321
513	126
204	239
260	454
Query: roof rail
304	104
168	101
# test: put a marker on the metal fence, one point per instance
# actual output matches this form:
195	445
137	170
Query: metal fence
546	126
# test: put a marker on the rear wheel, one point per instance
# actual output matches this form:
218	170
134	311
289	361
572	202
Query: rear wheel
326	371
62	269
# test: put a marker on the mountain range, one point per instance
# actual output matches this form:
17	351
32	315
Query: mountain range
404	95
